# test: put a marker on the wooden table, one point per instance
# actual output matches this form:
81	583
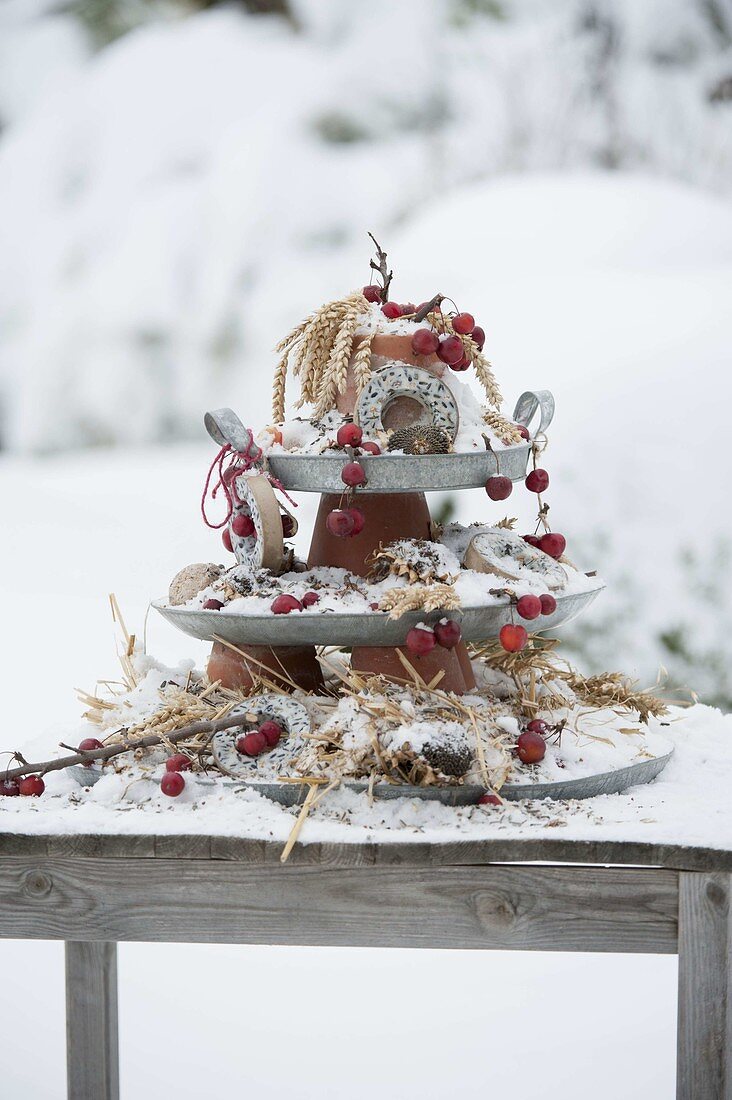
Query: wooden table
93	891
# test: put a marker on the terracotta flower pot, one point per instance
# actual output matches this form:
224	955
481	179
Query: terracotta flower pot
240	669
385	348
384	661
389	516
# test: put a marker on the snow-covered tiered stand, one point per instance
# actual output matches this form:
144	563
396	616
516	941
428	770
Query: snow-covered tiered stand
387	600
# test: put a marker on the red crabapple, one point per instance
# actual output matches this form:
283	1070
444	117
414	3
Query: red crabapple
498	488
529	607
513	637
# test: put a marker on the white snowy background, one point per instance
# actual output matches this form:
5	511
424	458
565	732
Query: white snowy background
179	183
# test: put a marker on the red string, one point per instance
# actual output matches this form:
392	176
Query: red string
225	482
238	462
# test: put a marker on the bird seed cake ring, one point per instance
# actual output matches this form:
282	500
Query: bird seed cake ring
256	516
295	724
387	385
507	555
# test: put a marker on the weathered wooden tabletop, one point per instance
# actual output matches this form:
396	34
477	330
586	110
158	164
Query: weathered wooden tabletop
529	894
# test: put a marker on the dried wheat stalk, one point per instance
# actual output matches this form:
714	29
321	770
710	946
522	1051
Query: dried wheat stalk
362	364
335	376
436	597
319	349
506	431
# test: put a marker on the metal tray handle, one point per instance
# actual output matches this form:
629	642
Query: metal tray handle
529	402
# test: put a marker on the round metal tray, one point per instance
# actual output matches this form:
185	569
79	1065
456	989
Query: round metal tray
586	786
589	786
368	628
400	473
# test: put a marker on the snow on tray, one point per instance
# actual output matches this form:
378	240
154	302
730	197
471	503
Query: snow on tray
342	592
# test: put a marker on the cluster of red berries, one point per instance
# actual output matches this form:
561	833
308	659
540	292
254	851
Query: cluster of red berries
28	785
425	341
449	349
173	782
421	640
260	740
284	604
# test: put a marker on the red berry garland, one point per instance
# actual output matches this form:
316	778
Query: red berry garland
271	732
252	744
553	544
353	474
450	350
243	526
359	521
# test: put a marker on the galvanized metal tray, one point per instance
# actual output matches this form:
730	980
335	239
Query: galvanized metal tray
588	786
367	628
389	473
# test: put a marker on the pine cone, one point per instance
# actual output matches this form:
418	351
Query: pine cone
421	439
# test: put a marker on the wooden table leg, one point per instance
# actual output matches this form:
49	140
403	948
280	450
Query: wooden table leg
92	1042
704	1070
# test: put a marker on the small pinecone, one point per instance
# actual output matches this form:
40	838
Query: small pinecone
451	757
421	439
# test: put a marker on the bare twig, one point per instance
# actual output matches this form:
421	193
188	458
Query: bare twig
381	270
427	308
92	756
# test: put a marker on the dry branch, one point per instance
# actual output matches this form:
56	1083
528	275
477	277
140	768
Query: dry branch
93	756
